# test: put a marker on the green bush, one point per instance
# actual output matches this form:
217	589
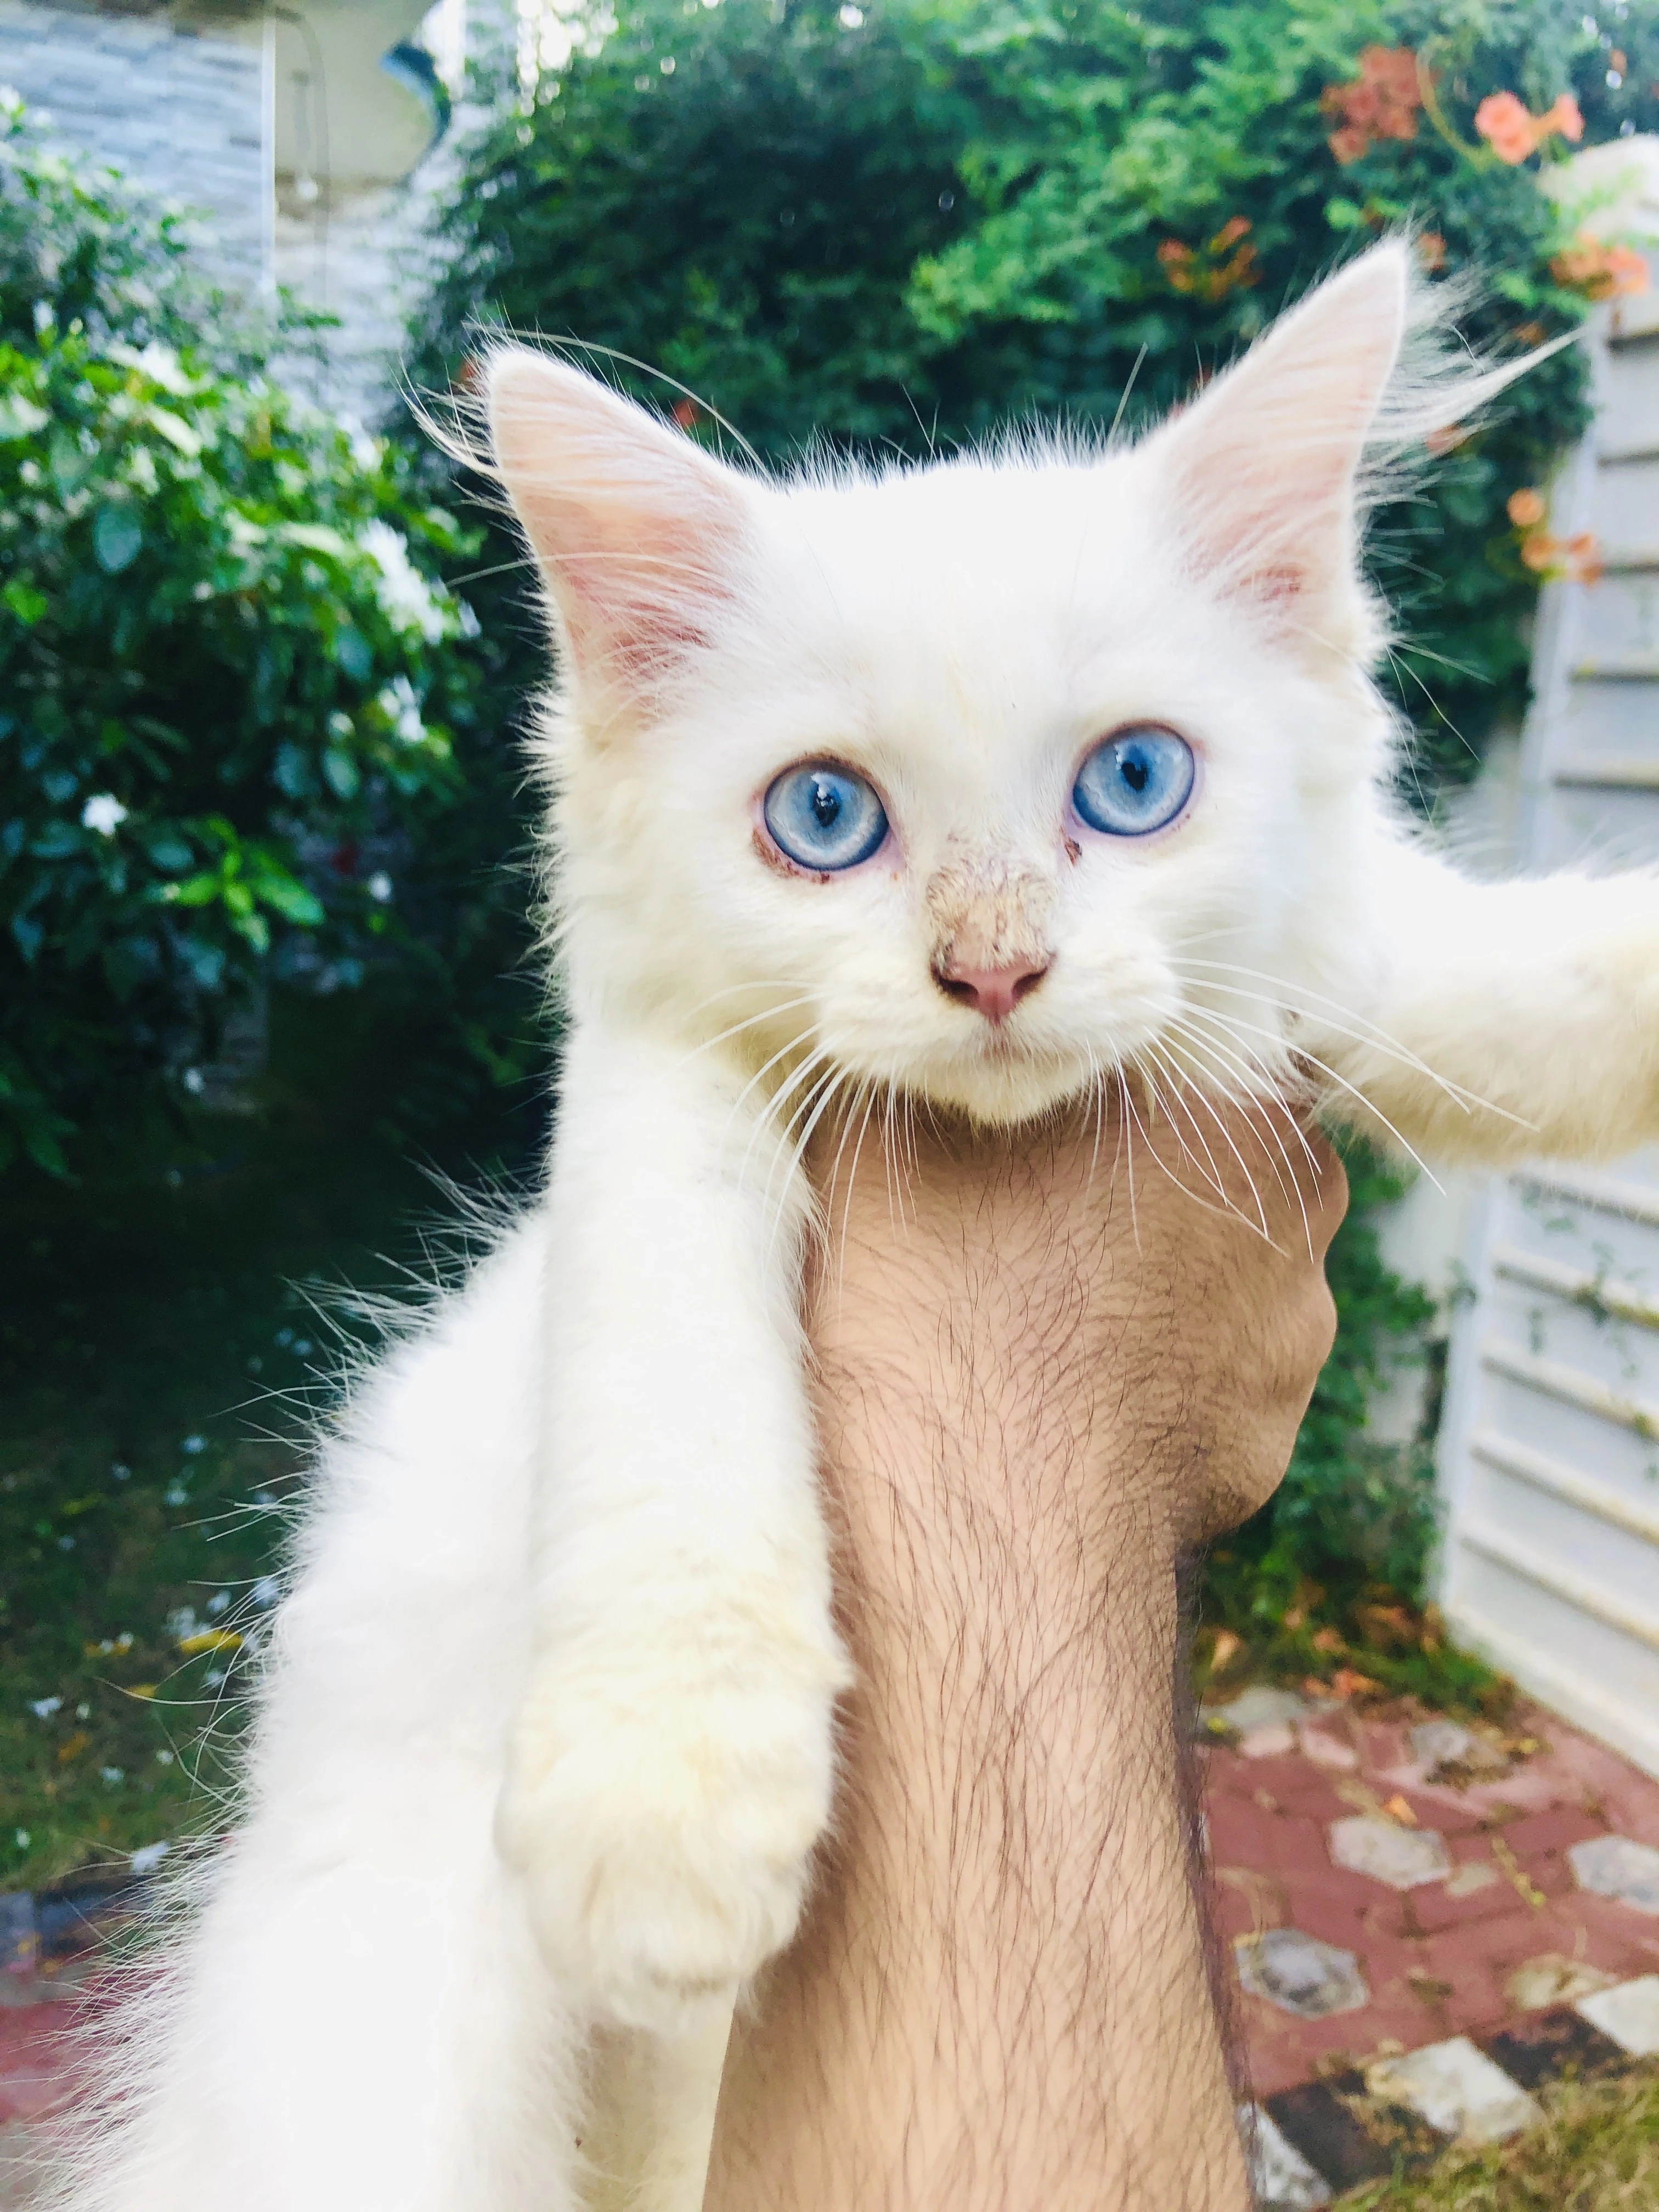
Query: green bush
229	678
897	227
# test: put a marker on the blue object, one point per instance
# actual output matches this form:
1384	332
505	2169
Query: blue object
1134	782
414	67
824	816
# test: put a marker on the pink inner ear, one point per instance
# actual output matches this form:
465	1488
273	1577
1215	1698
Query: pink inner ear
633	612
1262	466
636	531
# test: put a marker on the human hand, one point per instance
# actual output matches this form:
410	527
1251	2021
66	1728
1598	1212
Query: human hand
1047	1365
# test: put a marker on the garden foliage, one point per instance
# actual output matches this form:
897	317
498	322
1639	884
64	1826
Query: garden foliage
895	228
228	675
892	226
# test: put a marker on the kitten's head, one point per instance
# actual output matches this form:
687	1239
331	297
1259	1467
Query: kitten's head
984	778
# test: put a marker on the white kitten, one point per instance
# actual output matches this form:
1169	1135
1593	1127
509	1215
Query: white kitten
993	781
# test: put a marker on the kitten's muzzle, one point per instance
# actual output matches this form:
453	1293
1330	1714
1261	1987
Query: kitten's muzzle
992	992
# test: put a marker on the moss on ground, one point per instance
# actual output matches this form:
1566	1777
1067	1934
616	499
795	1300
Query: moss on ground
1597	2150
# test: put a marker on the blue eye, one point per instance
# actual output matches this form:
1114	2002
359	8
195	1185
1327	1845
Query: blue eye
1136	782
824	817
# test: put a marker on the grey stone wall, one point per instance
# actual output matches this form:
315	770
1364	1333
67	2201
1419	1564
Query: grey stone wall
179	112
181	115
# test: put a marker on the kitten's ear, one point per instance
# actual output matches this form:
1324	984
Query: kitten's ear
636	531
1264	467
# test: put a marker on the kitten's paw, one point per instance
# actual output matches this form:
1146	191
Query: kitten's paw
664	1832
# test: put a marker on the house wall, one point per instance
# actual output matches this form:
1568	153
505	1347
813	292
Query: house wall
1549	1451
183	114
178	112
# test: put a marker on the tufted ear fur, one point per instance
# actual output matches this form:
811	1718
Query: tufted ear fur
1263	469
637	532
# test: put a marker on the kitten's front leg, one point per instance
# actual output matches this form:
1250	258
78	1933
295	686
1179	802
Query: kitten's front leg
1513	1020
671	1766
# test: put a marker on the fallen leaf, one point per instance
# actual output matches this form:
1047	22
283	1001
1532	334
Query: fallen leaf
211	1639
1524	1884
1398	1808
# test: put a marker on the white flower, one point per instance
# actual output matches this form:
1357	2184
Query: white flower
405	597
148	1857
402	709
43	1708
380	886
103	812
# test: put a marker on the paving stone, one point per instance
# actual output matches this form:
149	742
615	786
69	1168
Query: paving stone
1260	1706
1617	1866
1548	2045
1281	2179
1401	1857
1299	1973
1550	1979
1435	1743
1470	1878
1273	1739
1457	2088
1322	2119
1629	2014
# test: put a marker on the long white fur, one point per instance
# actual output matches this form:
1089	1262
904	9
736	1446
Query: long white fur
546	1739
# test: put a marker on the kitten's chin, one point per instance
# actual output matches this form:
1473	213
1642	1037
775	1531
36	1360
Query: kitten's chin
1002	1090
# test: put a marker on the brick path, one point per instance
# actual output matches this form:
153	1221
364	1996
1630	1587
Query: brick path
1469	1906
1496	1921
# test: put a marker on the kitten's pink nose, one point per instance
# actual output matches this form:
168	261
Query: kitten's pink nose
992	992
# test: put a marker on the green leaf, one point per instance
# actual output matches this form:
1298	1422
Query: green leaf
342	773
291	900
316	537
167	850
174	429
20	417
199	890
351	650
116	536
24	601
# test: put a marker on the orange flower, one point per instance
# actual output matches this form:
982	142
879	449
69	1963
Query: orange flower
1525	508
1514	134
1504	124
1201	273
1585	562
1381	102
685	413
1575	559
1599	272
1432	250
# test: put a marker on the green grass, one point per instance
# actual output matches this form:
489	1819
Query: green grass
1597	2150
158	1368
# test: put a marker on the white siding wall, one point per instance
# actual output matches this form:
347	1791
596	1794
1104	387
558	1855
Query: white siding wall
1549	1446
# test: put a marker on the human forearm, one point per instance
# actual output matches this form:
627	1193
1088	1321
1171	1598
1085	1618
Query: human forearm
1000	1997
